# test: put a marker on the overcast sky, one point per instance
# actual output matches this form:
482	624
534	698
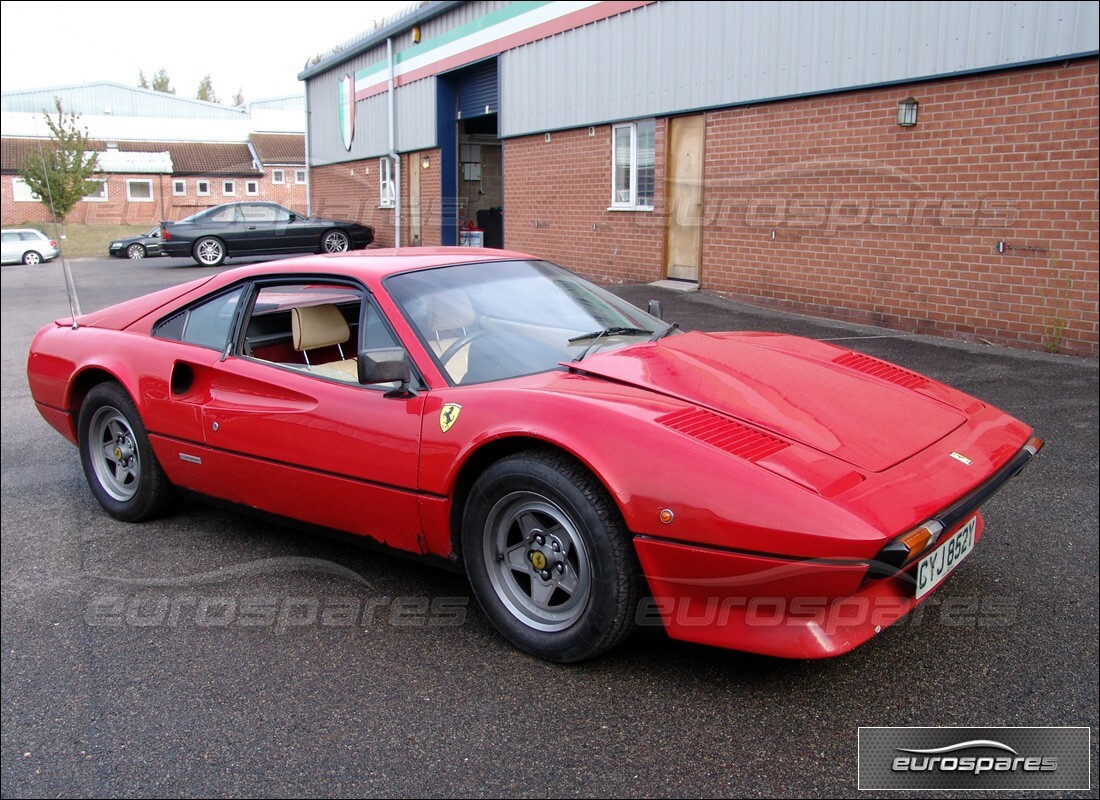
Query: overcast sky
258	48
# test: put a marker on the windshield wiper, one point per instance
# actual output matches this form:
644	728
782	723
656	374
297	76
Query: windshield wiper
595	336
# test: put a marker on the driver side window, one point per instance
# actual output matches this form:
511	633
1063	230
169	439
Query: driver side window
314	328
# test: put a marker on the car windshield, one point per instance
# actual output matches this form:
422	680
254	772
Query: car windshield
490	321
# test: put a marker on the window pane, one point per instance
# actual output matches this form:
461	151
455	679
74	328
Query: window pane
647	135
622	166
139	190
208	325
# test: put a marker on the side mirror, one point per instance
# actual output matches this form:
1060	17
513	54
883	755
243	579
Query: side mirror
292	217
385	365
654	309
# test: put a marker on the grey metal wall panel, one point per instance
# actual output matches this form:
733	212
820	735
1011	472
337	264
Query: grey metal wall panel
414	129
671	57
416	116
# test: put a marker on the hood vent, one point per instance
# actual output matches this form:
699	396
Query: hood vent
880	369
723	433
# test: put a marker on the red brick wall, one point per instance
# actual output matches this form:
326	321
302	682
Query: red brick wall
900	226
556	196
351	191
873	223
117	210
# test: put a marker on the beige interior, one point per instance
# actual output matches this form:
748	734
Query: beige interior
450	317
314	327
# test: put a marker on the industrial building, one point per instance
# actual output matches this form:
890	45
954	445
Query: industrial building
925	166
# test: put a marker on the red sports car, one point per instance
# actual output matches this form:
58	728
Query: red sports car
590	467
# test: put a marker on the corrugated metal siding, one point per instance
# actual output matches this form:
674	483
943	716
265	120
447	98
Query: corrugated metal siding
671	57
94	99
416	116
415	102
415	128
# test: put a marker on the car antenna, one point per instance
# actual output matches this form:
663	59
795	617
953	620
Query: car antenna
70	286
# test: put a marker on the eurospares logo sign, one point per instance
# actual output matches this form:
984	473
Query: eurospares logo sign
974	758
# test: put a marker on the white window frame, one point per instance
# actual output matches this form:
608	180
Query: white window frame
229	188
278	176
626	198
387	196
201	192
130	183
299	176
251	187
179	188
98	197
21	192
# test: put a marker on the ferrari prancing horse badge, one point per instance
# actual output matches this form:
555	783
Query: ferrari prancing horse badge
449	416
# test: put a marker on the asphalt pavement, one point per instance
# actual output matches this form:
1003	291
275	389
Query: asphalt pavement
213	654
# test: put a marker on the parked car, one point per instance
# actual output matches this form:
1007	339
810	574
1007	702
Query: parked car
573	454
27	246
135	247
255	228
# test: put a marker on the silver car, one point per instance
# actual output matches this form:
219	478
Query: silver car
28	246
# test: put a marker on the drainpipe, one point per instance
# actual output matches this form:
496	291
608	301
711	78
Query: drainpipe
393	153
309	175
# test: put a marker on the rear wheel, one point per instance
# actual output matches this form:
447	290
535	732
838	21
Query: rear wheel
548	557
118	460
135	251
209	251
334	242
31	258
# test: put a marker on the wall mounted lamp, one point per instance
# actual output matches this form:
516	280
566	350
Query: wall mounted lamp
425	163
907	112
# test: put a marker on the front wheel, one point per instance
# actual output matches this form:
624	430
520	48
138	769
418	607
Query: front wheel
548	557
209	252
335	242
118	460
135	251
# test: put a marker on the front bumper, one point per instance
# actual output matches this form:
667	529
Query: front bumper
788	607
766	605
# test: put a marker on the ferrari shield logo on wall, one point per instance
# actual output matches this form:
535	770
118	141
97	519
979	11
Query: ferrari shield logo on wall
347	110
448	416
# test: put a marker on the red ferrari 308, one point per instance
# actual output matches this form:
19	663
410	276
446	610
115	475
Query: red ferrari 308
589	466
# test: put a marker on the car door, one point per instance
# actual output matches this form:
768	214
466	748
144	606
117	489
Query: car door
274	228
288	438
228	224
12	247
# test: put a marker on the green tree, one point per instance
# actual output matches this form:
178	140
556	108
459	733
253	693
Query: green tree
143	83
206	91
161	83
60	169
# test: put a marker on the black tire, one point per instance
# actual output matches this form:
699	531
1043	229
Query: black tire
334	241
32	258
209	251
136	251
549	558
119	464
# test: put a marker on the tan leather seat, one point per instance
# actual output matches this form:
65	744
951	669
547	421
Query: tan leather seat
451	316
314	327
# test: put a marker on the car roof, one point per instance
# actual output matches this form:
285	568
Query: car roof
377	263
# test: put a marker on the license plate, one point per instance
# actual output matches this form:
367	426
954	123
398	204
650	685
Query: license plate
937	565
